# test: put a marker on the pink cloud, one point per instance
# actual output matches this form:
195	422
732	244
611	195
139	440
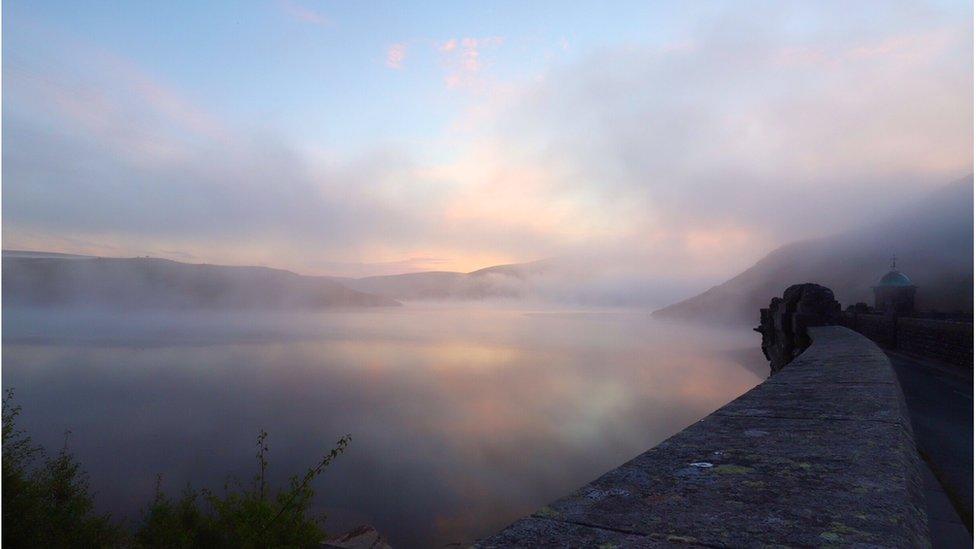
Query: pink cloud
395	55
908	48
452	80
447	46
463	58
302	13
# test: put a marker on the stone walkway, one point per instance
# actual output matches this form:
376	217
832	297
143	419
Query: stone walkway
945	527
940	404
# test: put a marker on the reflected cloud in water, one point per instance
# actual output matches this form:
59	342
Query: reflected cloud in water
462	419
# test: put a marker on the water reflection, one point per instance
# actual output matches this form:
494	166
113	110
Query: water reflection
462	419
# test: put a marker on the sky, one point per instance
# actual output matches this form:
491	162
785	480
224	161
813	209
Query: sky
683	139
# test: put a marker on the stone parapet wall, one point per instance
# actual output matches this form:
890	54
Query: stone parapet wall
943	340
948	341
820	454
877	328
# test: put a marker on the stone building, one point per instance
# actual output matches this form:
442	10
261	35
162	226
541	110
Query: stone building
895	293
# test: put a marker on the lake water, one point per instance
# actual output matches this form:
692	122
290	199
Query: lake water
462	419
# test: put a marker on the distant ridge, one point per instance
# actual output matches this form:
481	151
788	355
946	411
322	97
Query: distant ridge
26	253
499	281
60	280
933	240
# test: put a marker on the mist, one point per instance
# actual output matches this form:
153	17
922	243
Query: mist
673	164
849	261
506	246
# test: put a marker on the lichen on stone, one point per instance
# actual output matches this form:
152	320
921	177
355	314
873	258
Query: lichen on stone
547	512
830	536
733	469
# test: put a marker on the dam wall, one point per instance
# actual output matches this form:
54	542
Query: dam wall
944	340
820	454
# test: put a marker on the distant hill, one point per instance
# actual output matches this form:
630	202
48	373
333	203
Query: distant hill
46	279
933	240
27	253
501	281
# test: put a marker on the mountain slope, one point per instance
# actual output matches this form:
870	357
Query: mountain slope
500	281
37	279
933	240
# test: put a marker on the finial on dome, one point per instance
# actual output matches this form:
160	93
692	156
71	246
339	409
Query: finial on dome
894	261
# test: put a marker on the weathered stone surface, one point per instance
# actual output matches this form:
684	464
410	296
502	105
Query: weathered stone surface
784	323
361	537
854	402
546	532
944	339
749	497
815	456
847	360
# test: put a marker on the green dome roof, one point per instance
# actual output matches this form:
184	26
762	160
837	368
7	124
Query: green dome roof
895	278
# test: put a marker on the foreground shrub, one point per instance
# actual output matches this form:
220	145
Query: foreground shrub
47	503
247	517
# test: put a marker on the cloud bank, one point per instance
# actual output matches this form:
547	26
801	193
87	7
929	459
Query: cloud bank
681	161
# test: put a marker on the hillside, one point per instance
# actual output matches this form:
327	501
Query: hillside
501	281
39	279
933	240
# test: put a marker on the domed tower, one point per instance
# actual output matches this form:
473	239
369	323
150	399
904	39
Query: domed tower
895	293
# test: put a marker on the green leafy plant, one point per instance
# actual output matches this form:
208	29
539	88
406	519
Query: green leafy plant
240	517
47	503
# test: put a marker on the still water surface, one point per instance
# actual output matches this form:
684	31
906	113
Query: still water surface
462	418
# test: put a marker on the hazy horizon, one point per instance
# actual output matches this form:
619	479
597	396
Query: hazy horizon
594	203
348	140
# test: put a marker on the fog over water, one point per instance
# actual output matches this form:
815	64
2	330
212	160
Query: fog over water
249	191
462	418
